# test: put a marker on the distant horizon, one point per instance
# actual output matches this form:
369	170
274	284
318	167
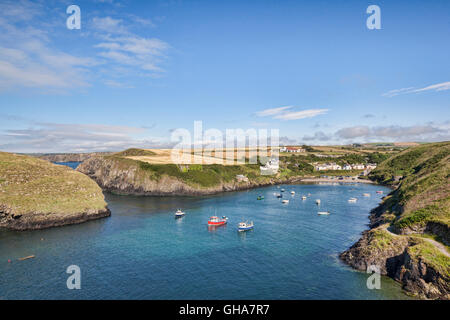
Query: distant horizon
395	144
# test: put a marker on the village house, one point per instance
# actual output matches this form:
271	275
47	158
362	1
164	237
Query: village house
347	167
327	166
358	166
292	149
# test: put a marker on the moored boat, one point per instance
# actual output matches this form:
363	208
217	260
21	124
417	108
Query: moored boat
282	190
279	195
380	192
366	194
245	226
293	192
179	213
284	201
353	200
216	221
303	197
260	198
323	213
318	201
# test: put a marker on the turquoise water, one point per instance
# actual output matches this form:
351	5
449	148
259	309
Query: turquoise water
72	164
143	252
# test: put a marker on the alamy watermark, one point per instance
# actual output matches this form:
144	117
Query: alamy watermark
74	281
374	281
374	20
74	20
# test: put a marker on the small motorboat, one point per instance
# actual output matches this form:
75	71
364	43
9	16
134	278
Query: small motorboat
179	213
245	226
318	201
309	194
282	190
293	192
366	194
303	197
216	221
284	201
380	192
279	195
352	200
260	198
323	213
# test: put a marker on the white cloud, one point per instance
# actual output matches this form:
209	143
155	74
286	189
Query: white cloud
286	113
272	112
56	137
435	87
295	115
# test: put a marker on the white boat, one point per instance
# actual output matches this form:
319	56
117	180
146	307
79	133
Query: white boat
318	201
366	194
323	213
245	226
285	201
352	200
303	197
179	213
292	192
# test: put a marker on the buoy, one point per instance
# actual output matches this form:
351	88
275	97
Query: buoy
9	260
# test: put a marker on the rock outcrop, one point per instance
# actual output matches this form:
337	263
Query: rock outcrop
35	194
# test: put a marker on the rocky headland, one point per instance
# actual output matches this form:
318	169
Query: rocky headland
35	194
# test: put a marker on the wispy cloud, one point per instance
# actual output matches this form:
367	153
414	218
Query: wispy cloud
272	112
287	113
57	137
435	87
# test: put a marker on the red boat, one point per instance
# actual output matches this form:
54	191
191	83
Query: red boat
216	221
379	192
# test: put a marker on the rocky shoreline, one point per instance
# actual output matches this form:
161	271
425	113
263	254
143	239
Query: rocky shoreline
38	221
393	254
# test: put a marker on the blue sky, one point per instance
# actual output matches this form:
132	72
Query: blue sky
136	70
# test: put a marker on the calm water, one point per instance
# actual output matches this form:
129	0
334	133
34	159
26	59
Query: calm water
72	165
143	252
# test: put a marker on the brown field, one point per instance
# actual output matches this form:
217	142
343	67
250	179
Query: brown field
227	156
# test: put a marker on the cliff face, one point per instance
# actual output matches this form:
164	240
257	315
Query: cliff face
419	207
405	259
113	175
35	194
39	220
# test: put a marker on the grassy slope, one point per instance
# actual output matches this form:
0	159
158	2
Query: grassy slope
423	192
422	196
32	185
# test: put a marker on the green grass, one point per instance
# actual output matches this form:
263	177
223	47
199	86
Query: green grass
133	152
33	185
431	255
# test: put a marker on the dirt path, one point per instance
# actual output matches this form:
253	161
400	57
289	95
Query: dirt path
438	245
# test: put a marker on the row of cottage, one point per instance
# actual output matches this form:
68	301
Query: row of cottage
334	166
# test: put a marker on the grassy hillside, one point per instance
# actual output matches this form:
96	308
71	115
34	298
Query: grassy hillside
423	195
30	186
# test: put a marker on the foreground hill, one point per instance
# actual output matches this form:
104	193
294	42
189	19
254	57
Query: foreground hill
409	236
35	194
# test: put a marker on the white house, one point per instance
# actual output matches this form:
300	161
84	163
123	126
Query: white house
358	166
347	167
292	149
